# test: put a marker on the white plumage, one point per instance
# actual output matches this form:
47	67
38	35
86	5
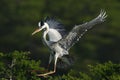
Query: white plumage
54	35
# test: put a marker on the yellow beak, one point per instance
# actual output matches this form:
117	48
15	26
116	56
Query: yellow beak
36	31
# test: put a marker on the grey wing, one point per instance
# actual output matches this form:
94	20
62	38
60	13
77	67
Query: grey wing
78	31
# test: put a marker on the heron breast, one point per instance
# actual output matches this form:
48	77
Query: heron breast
54	35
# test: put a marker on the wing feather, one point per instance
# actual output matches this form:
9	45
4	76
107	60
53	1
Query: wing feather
77	32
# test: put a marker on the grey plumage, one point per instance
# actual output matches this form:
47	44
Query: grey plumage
57	25
59	41
77	32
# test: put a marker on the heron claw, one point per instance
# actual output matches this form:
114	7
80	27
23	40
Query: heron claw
46	74
43	75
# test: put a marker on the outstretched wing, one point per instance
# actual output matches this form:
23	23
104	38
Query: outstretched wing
78	31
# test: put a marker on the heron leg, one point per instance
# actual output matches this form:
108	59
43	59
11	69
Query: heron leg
51	72
50	59
56	57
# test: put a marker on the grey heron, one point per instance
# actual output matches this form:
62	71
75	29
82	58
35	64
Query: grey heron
59	41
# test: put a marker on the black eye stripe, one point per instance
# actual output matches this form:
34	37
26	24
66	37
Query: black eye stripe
41	23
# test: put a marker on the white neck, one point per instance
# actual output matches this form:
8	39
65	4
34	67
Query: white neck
45	32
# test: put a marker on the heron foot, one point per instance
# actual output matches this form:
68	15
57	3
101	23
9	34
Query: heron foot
46	74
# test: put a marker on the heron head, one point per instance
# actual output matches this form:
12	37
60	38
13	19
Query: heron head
42	26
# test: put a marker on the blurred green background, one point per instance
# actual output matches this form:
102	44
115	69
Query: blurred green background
19	18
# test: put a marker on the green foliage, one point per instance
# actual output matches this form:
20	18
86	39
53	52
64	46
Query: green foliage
18	66
106	71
